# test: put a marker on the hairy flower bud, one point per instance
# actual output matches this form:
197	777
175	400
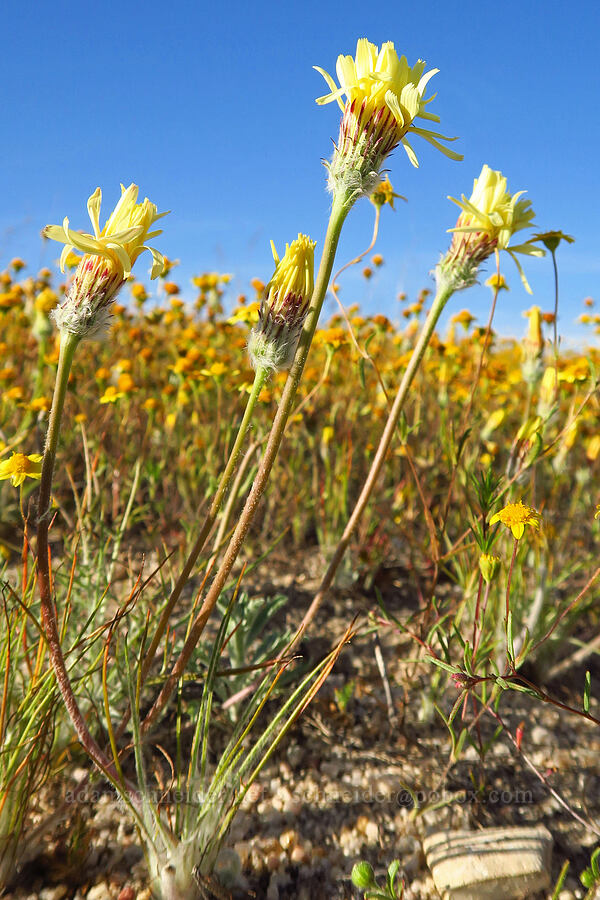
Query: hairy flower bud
284	306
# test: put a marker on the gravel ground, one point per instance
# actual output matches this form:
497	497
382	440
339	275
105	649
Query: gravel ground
339	789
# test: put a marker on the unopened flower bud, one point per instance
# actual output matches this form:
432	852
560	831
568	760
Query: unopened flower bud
489	566
284	307
363	876
532	365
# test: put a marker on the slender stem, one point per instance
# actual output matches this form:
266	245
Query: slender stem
508	585
482	618
341	206
467	412
555	324
68	345
442	296
476	616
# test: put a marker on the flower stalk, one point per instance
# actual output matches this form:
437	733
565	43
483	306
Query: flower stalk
68	346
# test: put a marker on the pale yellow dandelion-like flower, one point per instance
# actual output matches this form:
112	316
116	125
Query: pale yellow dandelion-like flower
109	255
384	98
486	224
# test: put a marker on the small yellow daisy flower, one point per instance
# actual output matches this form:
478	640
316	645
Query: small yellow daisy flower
497	282
516	516
111	395
19	467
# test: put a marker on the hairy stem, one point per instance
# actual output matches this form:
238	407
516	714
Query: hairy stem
68	346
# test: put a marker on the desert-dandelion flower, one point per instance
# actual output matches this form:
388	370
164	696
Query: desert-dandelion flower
486	224
109	255
384	97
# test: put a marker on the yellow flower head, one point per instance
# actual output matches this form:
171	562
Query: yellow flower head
383	98
284	306
497	282
109	255
533	344
516	516
487	222
385	193
45	301
19	467
111	394
551	239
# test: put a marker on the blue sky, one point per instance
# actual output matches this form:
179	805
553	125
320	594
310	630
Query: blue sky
210	109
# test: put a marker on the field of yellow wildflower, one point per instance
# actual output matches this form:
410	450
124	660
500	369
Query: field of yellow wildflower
296	608
155	411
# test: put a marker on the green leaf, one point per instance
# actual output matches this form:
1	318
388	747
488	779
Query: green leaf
391	875
455	670
363	875
361	372
509	639
586	691
560	880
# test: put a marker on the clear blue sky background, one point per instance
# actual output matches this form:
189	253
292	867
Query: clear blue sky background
210	109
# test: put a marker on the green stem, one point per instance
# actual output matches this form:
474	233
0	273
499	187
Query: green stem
555	324
342	204
442	296
555	267
68	346
509	580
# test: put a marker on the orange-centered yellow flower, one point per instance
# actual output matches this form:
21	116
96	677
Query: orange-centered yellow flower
516	516
19	467
384	97
109	255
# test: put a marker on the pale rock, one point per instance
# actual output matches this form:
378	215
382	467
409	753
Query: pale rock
331	768
98	892
372	832
491	864
54	893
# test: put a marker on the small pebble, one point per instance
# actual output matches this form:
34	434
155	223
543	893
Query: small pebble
98	892
127	893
